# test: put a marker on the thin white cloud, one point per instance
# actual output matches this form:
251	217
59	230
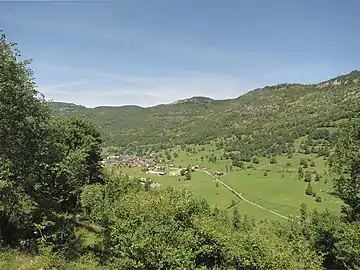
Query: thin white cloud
117	89
114	89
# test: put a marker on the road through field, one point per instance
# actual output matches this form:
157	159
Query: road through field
242	198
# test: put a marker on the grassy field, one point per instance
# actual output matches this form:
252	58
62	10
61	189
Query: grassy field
280	190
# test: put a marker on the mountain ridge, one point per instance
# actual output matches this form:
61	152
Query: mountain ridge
265	115
354	75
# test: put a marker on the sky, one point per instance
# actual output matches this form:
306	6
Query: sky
142	52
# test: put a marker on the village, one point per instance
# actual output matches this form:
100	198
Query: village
150	167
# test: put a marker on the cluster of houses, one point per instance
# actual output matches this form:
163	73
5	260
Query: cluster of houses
129	161
152	184
155	172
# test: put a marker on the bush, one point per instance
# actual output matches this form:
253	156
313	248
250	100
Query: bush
273	160
256	160
309	190
308	177
265	173
318	199
303	163
288	164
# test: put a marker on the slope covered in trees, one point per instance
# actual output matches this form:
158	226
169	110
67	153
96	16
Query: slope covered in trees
267	118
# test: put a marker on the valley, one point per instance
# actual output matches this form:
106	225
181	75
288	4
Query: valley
259	140
276	187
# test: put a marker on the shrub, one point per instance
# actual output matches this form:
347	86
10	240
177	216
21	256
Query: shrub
307	177
273	160
256	160
303	163
318	199
309	190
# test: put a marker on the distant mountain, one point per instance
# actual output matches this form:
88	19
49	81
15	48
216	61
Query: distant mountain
64	107
271	114
195	100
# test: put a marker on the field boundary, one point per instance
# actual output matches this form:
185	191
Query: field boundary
243	198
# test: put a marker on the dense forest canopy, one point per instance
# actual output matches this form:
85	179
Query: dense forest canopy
54	193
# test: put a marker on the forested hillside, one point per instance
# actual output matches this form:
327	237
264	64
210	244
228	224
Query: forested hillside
267	119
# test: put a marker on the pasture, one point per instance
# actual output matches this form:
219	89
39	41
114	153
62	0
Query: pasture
273	186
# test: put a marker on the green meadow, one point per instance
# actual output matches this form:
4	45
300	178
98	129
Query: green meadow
273	186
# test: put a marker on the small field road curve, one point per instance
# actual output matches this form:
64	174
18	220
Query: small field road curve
244	199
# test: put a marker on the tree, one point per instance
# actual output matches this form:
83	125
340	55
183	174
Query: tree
300	172
44	162
308	177
303	163
25	139
256	160
348	245
303	212
346	163
236	218
273	160
312	163
309	190
188	175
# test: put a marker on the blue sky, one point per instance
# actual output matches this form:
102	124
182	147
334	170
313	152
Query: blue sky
149	52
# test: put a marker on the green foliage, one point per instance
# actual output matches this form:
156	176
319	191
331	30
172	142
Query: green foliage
303	163
273	160
166	229
277	119
346	163
236	218
300	172
24	129
188	175
347	245
309	190
308	177
256	160
44	163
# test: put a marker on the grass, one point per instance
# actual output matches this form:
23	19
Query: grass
280	190
200	184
